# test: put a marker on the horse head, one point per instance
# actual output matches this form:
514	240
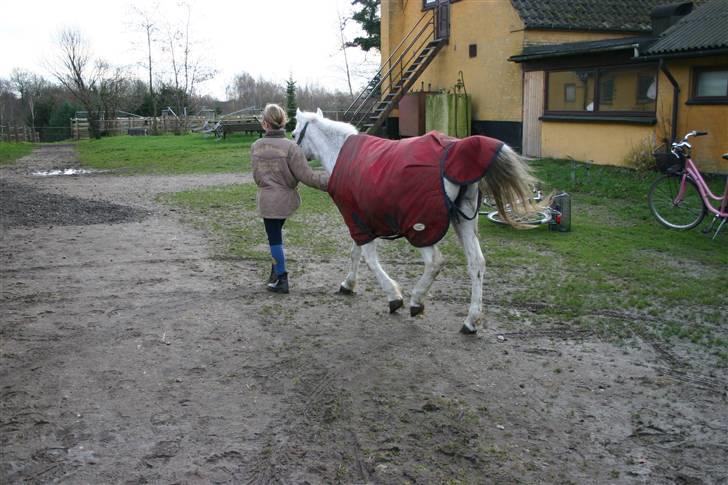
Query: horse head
303	120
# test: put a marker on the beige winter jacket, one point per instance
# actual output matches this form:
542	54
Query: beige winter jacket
278	166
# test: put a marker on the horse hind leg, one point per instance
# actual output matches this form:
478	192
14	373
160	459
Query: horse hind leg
348	285
433	264
390	287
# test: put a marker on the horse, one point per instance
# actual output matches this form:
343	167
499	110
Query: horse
464	170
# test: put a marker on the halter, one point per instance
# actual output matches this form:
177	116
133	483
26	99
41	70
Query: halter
303	133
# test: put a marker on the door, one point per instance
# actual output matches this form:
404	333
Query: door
533	92
442	19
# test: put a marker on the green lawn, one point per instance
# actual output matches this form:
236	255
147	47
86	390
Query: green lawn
618	272
9	152
168	154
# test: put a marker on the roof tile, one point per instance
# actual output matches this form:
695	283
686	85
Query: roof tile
596	15
704	28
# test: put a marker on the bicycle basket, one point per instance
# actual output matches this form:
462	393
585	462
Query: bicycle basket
666	162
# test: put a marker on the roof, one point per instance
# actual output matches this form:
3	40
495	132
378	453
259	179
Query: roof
593	15
704	29
579	48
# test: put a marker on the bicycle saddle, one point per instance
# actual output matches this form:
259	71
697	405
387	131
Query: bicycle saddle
725	155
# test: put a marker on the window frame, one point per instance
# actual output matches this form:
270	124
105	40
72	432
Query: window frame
694	98
597	114
430	4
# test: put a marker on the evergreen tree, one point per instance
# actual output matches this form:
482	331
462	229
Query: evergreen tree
291	105
368	18
60	122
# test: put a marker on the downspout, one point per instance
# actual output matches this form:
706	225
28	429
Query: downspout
675	97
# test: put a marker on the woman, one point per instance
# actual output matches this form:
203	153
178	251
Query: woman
278	166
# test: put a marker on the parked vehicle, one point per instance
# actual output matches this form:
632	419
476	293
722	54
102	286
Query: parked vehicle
680	198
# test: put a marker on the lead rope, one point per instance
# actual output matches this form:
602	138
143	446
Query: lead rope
303	133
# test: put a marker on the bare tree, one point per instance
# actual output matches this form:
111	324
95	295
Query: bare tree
148	26
10	105
30	87
344	45
188	69
77	73
247	92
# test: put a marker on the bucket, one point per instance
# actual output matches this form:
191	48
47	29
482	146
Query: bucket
561	205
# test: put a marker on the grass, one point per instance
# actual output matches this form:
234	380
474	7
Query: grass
168	154
618	273
9	152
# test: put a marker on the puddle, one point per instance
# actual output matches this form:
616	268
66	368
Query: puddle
65	171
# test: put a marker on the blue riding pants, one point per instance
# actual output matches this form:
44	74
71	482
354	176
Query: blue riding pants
274	231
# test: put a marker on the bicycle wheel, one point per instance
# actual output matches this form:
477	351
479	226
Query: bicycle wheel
532	219
684	214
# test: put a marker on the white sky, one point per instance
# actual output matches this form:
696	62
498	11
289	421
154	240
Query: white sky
268	38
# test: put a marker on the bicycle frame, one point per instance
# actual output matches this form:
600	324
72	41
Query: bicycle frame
707	195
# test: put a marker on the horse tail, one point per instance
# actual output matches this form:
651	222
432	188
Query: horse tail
510	181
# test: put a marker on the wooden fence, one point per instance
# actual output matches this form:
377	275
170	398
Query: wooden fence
17	134
137	126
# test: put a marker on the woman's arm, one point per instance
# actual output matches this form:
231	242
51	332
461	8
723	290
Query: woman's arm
303	171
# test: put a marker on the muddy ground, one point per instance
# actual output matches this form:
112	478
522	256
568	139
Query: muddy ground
131	354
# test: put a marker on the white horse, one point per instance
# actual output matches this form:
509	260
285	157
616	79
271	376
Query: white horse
508	180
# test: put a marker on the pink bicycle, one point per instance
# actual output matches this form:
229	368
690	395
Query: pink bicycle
681	198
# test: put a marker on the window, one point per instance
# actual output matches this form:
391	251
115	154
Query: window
570	90
428	4
603	91
710	85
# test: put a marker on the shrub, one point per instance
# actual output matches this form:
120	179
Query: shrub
641	156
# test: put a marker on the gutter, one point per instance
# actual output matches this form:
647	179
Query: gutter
709	51
675	97
551	54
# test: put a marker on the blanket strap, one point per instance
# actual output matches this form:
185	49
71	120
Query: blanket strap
452	206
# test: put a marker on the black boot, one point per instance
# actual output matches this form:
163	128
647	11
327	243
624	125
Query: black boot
273	276
280	285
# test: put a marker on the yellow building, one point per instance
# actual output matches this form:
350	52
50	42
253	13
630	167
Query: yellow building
591	80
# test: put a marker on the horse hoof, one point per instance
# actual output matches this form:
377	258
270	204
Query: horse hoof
395	305
417	310
467	330
345	291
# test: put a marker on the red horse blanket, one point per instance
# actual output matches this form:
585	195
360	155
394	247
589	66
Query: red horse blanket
386	188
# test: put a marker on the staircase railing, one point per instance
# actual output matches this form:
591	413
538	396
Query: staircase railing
391	74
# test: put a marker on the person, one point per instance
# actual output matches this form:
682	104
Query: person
278	166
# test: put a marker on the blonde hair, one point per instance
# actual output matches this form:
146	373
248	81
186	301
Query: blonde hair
275	116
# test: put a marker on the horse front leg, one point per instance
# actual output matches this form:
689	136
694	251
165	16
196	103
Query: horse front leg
390	287
348	285
433	264
467	232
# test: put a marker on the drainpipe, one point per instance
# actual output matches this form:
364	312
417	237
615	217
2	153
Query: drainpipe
675	97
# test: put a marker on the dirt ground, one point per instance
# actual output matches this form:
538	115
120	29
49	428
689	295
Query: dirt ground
130	354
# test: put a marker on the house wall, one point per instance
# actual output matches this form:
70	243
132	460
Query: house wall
602	143
713	118
494	83
542	37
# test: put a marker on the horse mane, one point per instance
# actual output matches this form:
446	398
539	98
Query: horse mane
335	128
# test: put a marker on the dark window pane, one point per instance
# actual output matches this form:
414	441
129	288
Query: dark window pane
571	90
712	83
630	89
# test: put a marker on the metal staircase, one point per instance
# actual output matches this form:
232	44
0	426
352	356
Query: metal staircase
397	75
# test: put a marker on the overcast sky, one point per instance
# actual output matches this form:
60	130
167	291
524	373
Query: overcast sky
268	38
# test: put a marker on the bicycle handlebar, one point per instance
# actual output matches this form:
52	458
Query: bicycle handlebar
680	147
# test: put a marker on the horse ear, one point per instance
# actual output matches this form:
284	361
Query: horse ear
319	113
298	111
